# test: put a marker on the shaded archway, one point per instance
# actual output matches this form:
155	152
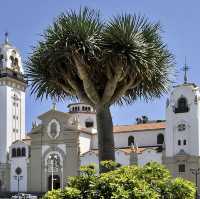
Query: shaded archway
131	140
160	139
56	182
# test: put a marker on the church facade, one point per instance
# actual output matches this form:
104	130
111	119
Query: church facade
61	141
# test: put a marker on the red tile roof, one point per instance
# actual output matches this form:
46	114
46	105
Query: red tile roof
139	127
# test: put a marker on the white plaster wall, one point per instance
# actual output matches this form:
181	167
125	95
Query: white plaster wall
7	136
122	157
16	162
13	136
3	124
182	135
92	158
89	158
191	117
22	163
142	138
149	155
84	142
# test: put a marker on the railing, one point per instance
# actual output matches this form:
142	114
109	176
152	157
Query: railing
12	74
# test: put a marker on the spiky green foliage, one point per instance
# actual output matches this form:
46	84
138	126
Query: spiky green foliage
100	62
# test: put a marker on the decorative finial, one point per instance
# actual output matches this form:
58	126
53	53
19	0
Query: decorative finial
185	69
6	37
54	105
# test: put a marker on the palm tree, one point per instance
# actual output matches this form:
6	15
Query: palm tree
101	63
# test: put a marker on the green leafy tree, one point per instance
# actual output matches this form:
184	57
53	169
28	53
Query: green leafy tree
132	182
101	63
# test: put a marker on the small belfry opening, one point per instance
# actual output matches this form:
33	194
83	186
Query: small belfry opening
182	105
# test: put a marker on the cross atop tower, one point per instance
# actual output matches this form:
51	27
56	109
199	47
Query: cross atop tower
185	69
54	105
6	37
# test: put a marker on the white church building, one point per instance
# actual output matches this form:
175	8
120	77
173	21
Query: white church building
64	140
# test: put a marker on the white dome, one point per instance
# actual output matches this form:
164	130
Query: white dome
10	57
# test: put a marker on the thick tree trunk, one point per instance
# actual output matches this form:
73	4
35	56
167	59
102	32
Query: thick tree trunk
105	135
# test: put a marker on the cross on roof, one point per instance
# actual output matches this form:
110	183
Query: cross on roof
185	69
54	104
6	37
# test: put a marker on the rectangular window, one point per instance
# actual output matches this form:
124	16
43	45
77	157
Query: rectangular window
181	168
184	142
179	142
15	117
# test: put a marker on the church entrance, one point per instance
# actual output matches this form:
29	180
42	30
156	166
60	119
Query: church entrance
55	180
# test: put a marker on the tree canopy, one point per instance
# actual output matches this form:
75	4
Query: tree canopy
100	62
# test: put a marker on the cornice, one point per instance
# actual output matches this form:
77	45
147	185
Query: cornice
7	81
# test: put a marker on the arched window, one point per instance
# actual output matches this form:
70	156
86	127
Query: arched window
184	142
160	139
53	162
19	152
1	61
53	131
131	140
12	61
179	142
181	168
16	62
29	151
14	152
89	123
182	105
23	152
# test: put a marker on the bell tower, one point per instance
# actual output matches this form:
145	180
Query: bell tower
182	133
12	97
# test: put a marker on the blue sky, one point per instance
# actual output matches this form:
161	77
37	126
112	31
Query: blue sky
25	20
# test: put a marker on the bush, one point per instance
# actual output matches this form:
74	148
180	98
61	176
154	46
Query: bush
153	181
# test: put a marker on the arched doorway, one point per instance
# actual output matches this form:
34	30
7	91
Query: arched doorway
56	182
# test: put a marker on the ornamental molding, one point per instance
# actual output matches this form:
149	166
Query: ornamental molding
53	131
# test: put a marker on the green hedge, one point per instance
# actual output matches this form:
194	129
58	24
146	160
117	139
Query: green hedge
153	181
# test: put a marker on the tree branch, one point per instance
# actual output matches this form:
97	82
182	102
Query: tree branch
88	85
111	84
77	89
121	91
